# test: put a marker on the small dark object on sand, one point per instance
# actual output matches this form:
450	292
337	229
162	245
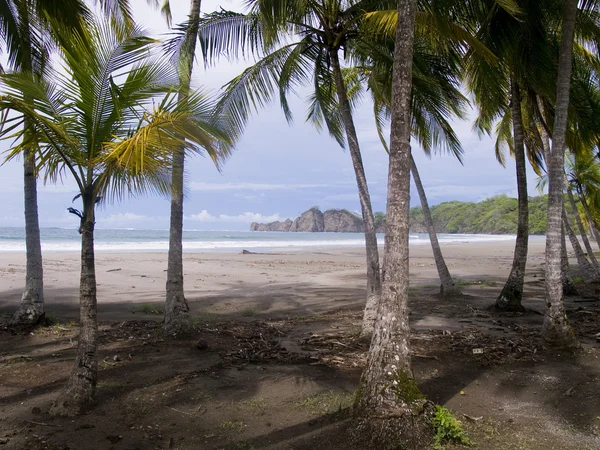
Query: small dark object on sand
202	345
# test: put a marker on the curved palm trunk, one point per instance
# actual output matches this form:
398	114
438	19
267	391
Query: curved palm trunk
392	408
373	272
568	285
177	316
590	218
31	307
556	329
448	287
587	271
584	238
81	387
512	293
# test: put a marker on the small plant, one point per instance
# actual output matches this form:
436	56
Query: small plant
578	280
256	404
146	309
326	403
233	425
448	429
249	312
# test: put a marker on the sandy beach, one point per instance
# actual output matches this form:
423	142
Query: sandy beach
273	284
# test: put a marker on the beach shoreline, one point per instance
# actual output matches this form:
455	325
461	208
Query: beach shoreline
264	284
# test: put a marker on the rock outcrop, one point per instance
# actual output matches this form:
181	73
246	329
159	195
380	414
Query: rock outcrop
313	220
309	221
273	226
342	221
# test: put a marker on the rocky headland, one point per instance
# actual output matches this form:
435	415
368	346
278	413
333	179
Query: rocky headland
314	220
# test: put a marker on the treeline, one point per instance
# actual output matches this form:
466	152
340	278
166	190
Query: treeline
495	215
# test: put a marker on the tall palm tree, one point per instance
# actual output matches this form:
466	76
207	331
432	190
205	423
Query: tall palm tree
389	398
23	28
556	329
435	98
97	121
177	317
519	37
300	42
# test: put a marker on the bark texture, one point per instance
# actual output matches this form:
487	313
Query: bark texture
556	329
394	412
568	285
511	296
582	233
447	288
31	307
79	393
177	319
373	270
588	273
590	218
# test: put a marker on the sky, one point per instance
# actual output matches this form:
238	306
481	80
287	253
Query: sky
277	170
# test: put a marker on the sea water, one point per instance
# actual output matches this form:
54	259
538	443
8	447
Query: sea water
137	240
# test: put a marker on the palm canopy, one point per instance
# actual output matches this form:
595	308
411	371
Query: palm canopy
294	41
110	117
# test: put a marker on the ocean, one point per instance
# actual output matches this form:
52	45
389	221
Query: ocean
137	240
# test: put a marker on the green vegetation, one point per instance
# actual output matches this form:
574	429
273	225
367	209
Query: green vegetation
327	403
147	308
495	215
448	429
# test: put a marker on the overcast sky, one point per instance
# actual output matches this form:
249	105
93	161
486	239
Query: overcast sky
277	170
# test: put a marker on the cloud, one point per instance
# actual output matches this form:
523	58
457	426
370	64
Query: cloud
201	186
247	217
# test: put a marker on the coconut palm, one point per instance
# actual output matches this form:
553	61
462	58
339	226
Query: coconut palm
299	43
24	31
28	38
556	329
101	121
436	97
392	408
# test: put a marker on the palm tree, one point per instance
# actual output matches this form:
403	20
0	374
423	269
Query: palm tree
389	398
519	38
177	317
97	122
322	31
556	329
435	97
23	24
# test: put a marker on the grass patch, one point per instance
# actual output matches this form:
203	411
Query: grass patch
233	425
326	403
147	308
481	283
448	429
249	312
206	317
578	280
256	405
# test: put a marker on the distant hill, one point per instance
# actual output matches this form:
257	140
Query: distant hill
495	215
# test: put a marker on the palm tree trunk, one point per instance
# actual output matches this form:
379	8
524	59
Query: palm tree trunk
556	329
585	268
81	387
31	307
177	318
392	408
512	293
373	272
568	285
448	287
590	218
584	238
